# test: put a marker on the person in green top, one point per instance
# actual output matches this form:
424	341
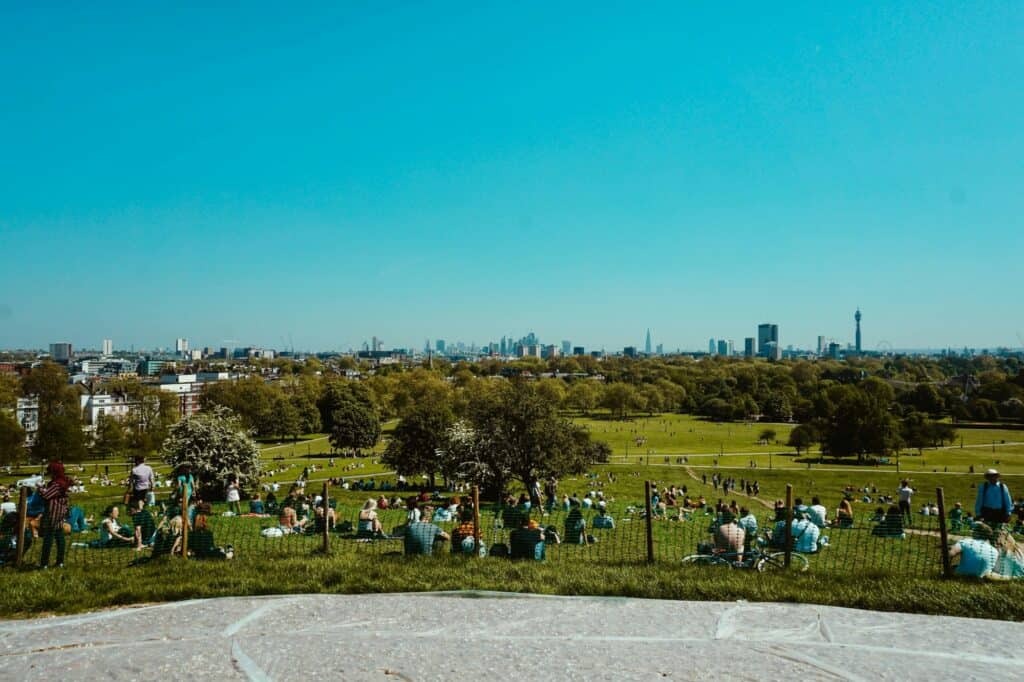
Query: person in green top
144	524
956	517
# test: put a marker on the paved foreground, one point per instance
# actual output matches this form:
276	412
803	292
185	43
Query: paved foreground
503	636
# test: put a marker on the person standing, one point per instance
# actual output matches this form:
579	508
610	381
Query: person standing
234	496
993	504
143	481
905	492
56	495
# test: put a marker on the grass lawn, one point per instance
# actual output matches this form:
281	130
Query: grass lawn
75	589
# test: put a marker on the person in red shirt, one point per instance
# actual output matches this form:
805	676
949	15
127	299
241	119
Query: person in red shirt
56	495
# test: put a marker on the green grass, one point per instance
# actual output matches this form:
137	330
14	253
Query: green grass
35	593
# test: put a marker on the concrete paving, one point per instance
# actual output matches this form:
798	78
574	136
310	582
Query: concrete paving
499	636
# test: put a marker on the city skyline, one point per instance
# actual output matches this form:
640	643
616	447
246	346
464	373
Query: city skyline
291	178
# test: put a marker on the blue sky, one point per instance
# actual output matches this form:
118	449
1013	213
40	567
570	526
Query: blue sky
585	172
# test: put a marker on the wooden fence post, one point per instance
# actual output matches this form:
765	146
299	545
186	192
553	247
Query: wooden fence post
476	520
947	569
789	524
19	554
184	521
650	521
327	529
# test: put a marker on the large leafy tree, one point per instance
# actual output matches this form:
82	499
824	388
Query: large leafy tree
60	434
217	446
354	425
861	423
419	439
518	434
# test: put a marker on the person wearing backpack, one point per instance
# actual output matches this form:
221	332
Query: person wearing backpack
993	504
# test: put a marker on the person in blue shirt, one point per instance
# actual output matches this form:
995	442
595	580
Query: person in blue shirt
977	556
993	504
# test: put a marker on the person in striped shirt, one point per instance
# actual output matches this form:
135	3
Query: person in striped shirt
56	495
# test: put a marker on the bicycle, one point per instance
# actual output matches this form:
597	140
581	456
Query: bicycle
754	558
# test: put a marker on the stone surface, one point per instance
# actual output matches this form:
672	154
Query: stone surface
504	636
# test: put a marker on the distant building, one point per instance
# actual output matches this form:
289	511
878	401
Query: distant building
629	351
579	350
152	368
748	347
181	346
833	350
108	347
732	348
723	347
550	351
856	316
660	350
61	352
26	411
711	347
566	347
767	334
821	345
439	346
647	343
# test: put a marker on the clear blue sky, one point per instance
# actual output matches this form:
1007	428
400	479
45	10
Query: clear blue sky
583	171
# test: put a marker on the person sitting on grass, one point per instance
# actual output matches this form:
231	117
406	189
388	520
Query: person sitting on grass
818	513
144	525
1010	564
575	526
729	537
803	534
527	541
844	513
319	518
977	556
956	517
748	522
421	535
603	518
368	525
256	505
289	521
112	533
77	520
891	526
201	544
168	538
464	530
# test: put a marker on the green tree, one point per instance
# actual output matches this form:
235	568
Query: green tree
584	396
354	426
110	437
419	440
12	440
60	434
861	424
286	418
803	437
218	446
619	397
766	436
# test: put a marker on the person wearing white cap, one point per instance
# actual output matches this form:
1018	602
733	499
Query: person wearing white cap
993	504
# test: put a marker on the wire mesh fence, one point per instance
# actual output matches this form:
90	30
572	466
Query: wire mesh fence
106	532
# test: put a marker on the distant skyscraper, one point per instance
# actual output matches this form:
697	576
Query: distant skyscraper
566	347
579	350
503	347
821	345
723	347
629	351
439	345
732	348
711	346
180	346
108	347
856	316
660	350
647	344
748	347
766	334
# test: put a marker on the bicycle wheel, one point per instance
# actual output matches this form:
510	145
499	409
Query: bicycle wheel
704	560
776	561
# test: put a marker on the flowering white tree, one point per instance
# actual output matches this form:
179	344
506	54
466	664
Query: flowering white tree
217	447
